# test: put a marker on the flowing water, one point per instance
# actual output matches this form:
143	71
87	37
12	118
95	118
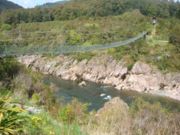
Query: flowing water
96	94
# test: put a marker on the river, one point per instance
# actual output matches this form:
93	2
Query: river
95	95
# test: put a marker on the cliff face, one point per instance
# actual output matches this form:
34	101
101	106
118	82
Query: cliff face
106	70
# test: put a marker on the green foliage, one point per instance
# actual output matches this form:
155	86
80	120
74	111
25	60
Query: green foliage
79	32
100	30
156	52
82	56
29	86
8	68
90	8
174	37
66	122
73	38
139	104
45	124
5	27
74	112
12	119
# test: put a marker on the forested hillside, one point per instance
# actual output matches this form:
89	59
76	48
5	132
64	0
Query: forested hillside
4	4
51	5
93	8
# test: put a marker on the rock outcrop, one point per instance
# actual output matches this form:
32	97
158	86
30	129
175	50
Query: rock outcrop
106	70
114	103
114	116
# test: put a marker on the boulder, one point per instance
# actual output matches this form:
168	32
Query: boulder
143	82
114	116
173	77
112	104
112	81
120	71
28	60
76	69
82	84
141	68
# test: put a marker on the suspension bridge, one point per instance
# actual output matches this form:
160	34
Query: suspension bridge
17	50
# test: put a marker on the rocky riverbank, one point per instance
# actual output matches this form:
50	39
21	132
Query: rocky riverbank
104	69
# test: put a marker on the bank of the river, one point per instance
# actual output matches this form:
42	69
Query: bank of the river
96	95
104	69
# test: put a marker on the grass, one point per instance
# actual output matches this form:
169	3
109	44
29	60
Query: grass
45	124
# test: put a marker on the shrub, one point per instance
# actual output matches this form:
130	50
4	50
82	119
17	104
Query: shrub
152	119
174	34
45	124
174	37
12	119
8	68
73	38
82	56
73	112
6	27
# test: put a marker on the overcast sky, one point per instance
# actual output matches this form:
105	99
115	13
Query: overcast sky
31	3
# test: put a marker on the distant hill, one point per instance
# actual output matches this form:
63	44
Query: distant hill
52	4
4	4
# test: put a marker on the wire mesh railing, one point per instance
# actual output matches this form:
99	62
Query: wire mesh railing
17	50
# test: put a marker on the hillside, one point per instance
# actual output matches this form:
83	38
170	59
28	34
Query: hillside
4	4
93	8
51	4
102	30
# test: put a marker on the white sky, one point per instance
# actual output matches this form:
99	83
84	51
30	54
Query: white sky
31	3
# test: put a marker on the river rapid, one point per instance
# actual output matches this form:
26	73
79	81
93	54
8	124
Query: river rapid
95	95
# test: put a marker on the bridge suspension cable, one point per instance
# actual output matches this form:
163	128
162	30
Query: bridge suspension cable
17	50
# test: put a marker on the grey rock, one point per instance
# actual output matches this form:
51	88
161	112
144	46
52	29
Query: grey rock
141	68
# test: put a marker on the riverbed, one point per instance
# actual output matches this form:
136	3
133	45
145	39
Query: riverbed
95	95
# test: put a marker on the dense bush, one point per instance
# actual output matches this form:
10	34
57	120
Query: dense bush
8	68
74	112
90	8
79	32
174	37
12	119
5	27
153	119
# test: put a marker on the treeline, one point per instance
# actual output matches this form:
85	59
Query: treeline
90	8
